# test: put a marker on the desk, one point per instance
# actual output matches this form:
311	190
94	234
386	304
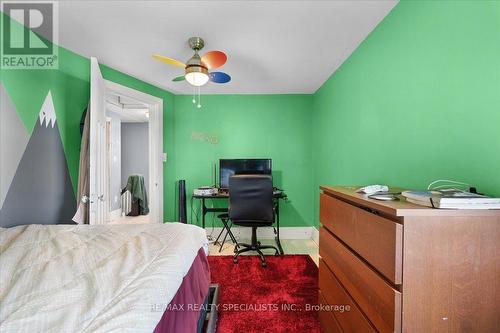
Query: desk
279	195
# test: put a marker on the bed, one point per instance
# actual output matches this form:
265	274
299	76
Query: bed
106	278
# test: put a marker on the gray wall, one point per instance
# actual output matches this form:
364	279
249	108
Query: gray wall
115	161
13	141
135	151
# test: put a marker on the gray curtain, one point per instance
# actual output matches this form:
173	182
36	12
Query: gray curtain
82	213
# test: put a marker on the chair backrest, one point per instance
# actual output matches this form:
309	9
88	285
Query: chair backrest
251	198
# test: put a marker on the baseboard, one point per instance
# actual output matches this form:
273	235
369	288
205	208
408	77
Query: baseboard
267	232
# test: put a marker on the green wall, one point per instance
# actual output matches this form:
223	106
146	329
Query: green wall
70	87
248	126
418	100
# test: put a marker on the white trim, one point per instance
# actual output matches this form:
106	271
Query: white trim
315	235
98	189
155	105
132	93
266	232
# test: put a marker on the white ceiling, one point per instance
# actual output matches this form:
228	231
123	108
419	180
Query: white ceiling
272	46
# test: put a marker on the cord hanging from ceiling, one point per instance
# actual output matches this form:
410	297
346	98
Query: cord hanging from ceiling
197	93
199	98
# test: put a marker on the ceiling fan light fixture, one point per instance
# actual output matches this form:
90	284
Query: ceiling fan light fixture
197	75
196	69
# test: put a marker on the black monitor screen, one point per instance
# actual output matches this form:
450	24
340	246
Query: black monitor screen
228	168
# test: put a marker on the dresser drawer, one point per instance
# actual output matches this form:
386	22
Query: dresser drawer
351	320
375	297
326	319
377	239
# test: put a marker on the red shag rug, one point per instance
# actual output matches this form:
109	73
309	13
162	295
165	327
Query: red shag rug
279	298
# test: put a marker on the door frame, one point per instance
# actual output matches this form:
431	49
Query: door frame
156	154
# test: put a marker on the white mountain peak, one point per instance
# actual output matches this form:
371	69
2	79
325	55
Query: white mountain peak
47	112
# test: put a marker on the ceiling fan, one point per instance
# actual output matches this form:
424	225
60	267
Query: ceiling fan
196	69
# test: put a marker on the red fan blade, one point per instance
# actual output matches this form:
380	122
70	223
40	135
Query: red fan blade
214	59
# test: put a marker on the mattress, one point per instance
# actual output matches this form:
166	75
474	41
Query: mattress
106	278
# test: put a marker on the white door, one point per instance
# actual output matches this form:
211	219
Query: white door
98	177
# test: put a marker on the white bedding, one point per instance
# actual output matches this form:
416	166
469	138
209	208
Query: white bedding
110	278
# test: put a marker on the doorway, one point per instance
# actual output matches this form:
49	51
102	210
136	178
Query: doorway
127	133
120	114
136	154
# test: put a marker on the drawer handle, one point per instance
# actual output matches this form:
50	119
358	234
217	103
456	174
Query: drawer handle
370	210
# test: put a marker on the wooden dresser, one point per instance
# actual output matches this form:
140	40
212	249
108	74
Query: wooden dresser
399	267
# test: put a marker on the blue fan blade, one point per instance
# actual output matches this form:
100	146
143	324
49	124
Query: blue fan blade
219	77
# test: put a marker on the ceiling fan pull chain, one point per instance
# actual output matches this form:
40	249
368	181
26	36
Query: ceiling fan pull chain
199	98
194	95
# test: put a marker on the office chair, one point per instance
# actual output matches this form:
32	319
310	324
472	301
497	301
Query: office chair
251	205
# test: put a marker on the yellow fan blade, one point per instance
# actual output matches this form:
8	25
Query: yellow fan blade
169	61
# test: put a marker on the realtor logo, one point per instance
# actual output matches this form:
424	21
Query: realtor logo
29	35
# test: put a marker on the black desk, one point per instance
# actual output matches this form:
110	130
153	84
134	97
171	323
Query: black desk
280	195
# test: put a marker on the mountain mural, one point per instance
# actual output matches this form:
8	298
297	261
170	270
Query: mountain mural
40	191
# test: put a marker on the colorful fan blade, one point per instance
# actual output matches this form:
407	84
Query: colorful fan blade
179	78
214	59
219	77
169	61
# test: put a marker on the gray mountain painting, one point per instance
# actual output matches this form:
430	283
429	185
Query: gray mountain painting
13	141
41	190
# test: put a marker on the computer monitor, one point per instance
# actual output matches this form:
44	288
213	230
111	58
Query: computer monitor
247	166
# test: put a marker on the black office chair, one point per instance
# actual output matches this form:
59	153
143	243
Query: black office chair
251	205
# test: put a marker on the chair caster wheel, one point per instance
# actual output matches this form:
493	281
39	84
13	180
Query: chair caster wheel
235	260
264	264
